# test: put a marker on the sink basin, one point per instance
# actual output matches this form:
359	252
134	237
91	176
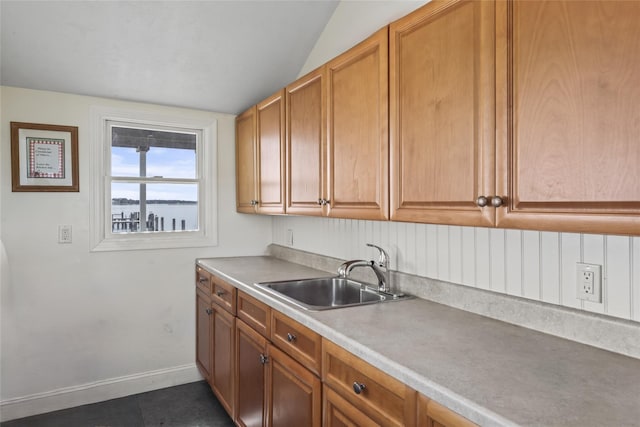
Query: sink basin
326	293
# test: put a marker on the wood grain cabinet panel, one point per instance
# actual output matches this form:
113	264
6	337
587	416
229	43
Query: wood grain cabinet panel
298	341
358	131
568	90
442	113
223	294
250	376
254	313
203	333
305	149
246	161
384	399
222	378
338	412
294	393
270	153
203	280
432	414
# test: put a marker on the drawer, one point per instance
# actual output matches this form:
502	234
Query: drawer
299	342
203	280
382	397
223	294
254	313
431	413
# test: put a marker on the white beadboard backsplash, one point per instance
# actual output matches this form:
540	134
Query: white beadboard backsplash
536	265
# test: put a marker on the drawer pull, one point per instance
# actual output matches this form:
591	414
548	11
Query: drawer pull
358	387
220	293
291	337
203	280
209	311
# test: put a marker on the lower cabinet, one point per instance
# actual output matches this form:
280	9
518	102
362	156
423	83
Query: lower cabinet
265	369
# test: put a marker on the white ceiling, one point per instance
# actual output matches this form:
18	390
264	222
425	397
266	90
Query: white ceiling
221	56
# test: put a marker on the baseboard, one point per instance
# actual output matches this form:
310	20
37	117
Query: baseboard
98	391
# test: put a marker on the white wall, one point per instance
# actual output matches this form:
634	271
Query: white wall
534	265
74	322
352	22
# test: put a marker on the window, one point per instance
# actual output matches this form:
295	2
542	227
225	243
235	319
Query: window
153	181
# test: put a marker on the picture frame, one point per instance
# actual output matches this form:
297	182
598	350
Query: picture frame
44	157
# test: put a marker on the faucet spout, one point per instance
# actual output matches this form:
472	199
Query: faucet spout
381	271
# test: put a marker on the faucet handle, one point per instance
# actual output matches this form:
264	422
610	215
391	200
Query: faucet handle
383	259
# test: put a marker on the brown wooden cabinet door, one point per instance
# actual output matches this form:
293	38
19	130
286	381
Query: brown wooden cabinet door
442	119
305	118
203	333
358	132
250	374
245	161
338	412
222	377
294	393
271	154
568	135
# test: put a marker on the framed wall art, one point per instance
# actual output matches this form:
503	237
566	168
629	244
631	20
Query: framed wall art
44	157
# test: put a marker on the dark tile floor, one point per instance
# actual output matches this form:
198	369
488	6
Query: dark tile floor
188	405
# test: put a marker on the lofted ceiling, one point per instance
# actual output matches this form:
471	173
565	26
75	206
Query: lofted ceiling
220	56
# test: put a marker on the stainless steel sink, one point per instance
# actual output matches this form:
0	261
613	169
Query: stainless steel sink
326	293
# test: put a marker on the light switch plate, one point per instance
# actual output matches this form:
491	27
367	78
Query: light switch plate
64	234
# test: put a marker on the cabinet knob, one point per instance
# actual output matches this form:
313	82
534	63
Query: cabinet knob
254	203
496	201
291	337
203	280
358	387
325	202
482	201
220	293
209	311
320	201
264	359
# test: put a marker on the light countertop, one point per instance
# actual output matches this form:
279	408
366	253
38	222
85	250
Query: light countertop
491	372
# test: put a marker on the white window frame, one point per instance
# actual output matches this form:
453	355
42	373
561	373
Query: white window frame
102	237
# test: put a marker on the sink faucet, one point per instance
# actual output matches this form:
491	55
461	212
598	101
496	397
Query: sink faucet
380	268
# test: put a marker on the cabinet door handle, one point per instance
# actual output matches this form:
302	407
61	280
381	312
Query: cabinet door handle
209	311
291	337
482	201
497	201
264	359
358	387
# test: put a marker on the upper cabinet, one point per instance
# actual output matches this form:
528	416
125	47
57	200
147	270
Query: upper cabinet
442	113
305	147
246	161
515	114
568	115
270	151
358	132
260	159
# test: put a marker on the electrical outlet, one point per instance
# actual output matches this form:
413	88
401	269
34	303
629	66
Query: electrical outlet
290	237
589	282
64	234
